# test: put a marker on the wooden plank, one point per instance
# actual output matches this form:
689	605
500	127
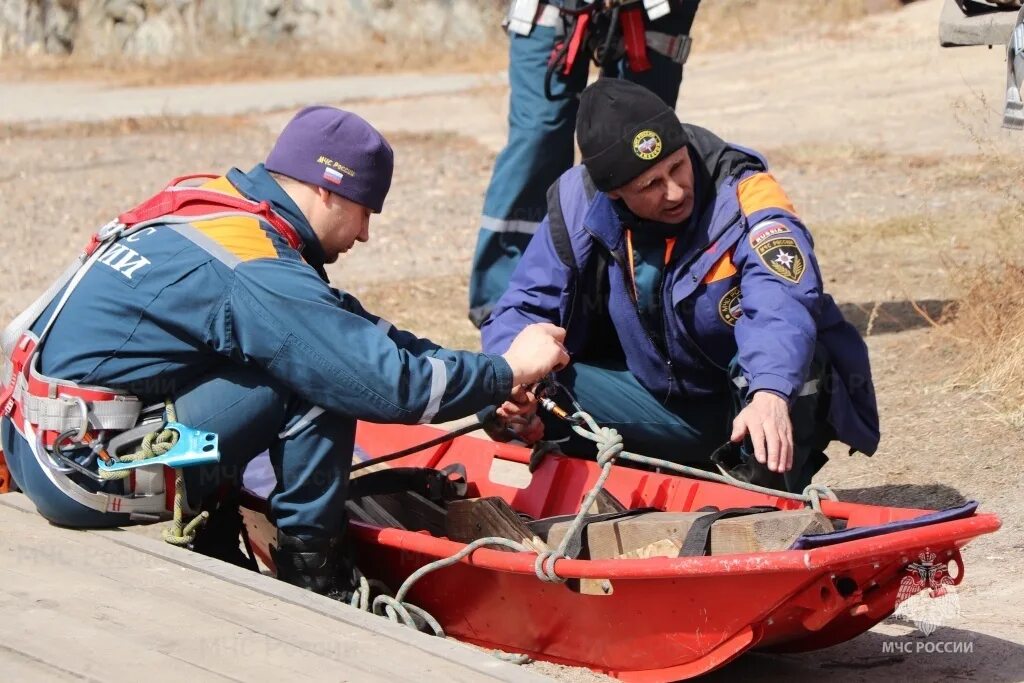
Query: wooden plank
475	518
605	503
379	512
652	534
414	512
542	528
765	532
360	514
173	618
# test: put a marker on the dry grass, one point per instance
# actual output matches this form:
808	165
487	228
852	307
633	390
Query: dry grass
989	320
124	126
259	63
434	308
738	24
934	169
811	157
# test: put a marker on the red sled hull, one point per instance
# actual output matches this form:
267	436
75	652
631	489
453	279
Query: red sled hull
664	619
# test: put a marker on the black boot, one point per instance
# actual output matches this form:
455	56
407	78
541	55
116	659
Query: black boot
219	537
347	577
310	564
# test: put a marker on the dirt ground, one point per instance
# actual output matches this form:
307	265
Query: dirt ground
890	150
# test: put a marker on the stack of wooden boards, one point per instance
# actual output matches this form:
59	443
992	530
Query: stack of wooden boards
611	532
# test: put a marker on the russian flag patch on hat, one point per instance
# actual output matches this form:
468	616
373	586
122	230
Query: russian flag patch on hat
332	176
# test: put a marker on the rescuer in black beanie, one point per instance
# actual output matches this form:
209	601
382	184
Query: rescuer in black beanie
623	129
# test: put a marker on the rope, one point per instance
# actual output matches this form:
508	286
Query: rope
609	449
155	444
398	611
811	495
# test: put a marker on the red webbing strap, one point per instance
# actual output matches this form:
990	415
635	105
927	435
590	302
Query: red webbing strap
5	475
632	21
576	42
6	408
195	201
21	354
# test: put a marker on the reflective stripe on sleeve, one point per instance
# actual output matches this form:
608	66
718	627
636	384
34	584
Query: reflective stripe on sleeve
438	384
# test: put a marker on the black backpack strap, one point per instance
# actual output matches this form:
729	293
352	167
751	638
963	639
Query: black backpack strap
698	539
559	230
588	185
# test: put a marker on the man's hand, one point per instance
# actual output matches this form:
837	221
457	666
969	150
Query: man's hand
519	415
535	352
767	421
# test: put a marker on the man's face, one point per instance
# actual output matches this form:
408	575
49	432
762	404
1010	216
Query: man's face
664	192
340	224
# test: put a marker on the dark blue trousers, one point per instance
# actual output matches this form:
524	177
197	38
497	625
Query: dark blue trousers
688	431
310	450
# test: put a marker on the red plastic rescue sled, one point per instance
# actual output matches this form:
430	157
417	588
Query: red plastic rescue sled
666	618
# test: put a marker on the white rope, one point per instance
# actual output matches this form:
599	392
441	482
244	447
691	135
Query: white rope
609	449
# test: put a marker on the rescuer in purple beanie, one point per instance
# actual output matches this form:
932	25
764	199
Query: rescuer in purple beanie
336	168
213	301
338	151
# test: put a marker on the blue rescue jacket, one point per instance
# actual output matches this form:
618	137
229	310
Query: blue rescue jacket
742	284
170	304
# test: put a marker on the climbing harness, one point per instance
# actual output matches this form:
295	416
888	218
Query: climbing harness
173	446
59	418
607	31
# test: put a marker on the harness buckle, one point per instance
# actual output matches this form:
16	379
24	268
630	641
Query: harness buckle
110	230
83	428
676	48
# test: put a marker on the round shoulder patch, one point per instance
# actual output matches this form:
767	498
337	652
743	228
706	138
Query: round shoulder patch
729	307
647	145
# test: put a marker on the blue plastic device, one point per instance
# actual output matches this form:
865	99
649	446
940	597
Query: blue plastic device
194	447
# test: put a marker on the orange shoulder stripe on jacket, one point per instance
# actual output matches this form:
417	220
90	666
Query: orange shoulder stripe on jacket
240	235
723	268
222	185
761	191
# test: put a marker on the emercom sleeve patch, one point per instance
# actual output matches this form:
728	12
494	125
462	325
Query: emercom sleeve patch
776	246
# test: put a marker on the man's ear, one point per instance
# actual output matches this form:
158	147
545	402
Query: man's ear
325	195
612	194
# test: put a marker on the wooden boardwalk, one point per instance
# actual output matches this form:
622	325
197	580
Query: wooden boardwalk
116	606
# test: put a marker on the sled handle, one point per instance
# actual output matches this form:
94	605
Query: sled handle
955	558
512	453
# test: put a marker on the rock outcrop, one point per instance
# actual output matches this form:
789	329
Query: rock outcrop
147	29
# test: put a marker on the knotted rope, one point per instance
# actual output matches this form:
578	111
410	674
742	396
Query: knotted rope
153	445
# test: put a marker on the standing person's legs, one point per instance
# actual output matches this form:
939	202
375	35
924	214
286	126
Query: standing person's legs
540	148
665	76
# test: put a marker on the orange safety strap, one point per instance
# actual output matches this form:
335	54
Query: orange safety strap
576	43
670	244
632	21
5	475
